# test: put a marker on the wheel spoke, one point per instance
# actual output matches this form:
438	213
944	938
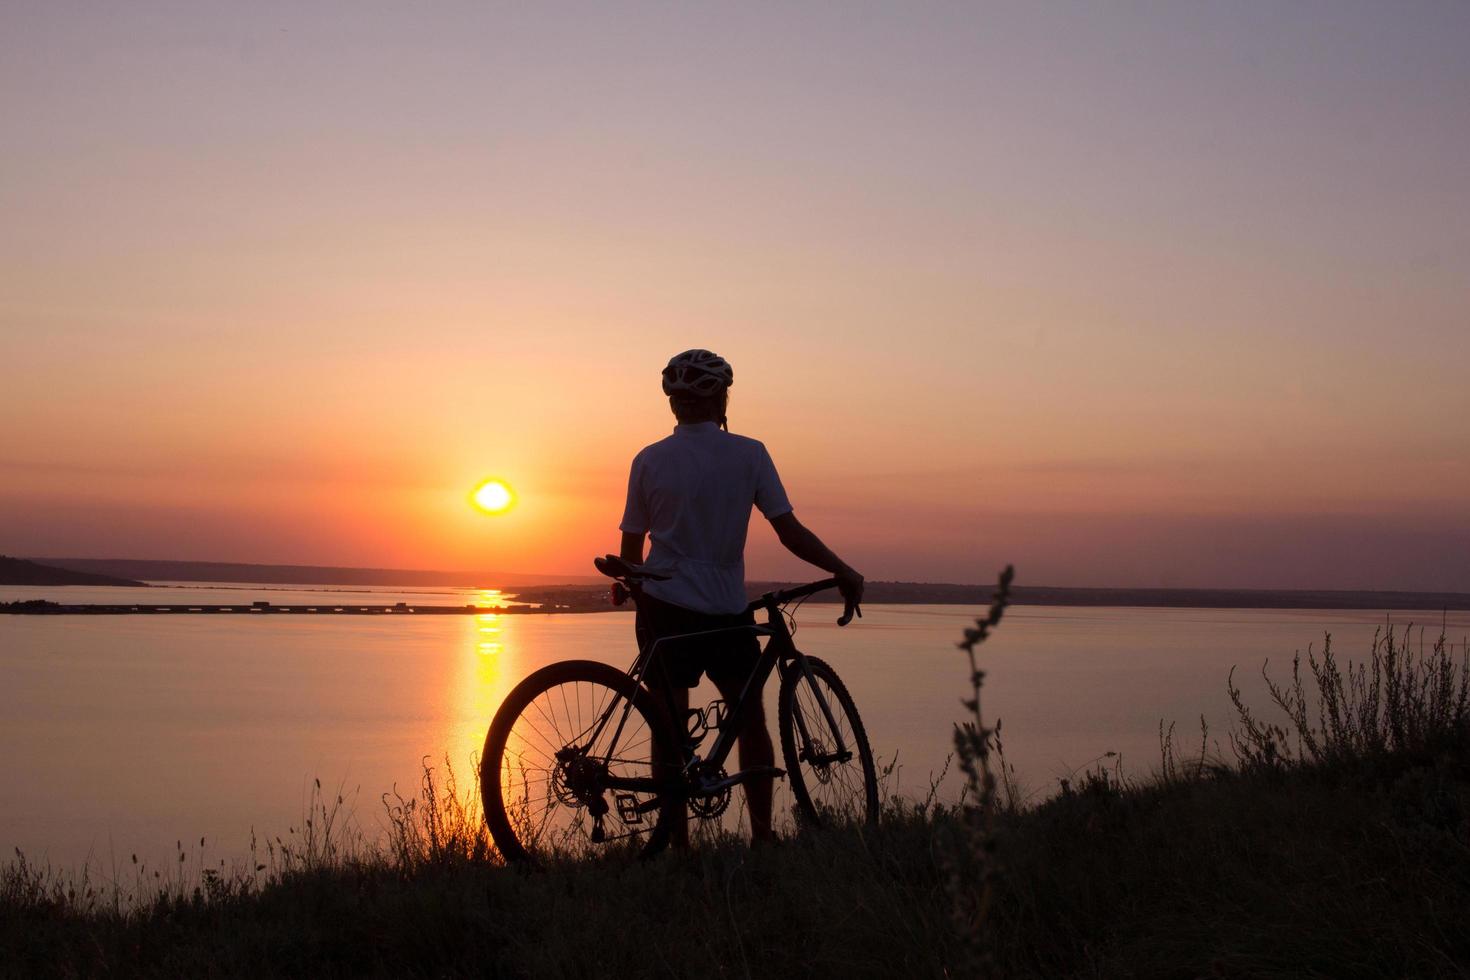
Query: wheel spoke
830	790
545	791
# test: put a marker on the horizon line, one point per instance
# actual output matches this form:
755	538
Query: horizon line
559	578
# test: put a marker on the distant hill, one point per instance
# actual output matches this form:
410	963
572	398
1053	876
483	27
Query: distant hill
19	571
219	571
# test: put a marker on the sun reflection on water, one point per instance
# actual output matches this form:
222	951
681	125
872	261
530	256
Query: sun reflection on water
488	623
488	668
489	627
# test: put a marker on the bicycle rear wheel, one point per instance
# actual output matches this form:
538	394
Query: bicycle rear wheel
548	759
830	769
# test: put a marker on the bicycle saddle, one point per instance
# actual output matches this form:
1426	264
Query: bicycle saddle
614	567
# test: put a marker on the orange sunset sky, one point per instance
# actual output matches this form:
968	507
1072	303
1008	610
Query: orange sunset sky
1157	295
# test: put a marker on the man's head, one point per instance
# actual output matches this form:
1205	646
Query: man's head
698	385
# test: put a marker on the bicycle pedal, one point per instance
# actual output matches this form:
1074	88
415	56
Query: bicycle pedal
628	808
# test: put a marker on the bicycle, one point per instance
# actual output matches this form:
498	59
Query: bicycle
576	732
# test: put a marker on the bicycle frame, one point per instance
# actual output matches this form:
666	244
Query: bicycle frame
779	650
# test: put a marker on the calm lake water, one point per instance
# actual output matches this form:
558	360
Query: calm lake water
124	734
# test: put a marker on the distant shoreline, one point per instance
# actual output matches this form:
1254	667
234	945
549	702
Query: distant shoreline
587	593
1043	595
577	598
152	570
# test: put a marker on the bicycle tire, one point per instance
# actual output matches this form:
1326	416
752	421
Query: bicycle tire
818	804
496	771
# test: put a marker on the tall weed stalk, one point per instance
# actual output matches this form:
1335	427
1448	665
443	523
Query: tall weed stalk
971	869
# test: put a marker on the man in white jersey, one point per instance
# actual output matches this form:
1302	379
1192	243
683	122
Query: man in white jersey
692	493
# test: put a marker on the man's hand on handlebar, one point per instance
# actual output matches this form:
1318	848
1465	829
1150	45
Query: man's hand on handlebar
850	584
809	548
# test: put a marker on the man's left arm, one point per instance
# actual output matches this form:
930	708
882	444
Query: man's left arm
801	542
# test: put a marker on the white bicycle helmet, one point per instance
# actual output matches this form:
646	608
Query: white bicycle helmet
697	372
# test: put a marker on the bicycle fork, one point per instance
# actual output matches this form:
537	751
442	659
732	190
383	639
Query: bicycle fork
806	754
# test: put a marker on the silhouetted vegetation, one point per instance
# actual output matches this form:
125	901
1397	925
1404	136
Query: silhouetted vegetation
1332	841
29	606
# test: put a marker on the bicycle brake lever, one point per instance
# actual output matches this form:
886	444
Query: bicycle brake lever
846	616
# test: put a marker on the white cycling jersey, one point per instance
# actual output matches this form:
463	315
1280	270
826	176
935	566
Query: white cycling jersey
692	493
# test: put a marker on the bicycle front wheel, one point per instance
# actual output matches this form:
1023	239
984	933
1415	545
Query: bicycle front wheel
566	772
828	761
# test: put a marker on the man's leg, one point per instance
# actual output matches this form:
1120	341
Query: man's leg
675	698
755	750
653	622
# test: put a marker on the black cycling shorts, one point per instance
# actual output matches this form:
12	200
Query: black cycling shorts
728	658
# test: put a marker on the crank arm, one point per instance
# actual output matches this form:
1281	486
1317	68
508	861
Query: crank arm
745	775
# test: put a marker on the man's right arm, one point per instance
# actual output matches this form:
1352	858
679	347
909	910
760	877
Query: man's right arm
635	516
632	550
801	542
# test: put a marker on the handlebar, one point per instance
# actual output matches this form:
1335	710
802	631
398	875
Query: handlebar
802	591
626	575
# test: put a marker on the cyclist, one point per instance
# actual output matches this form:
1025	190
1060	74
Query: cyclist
692	493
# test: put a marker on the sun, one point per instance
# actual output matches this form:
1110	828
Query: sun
493	497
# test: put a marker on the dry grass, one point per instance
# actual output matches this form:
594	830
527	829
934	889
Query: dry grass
1404	700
